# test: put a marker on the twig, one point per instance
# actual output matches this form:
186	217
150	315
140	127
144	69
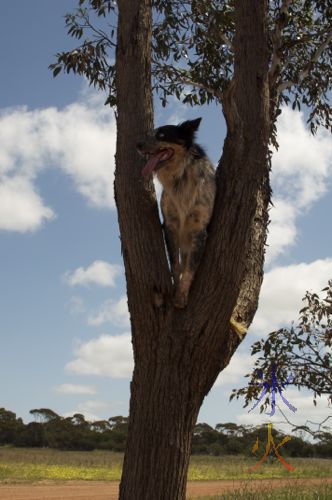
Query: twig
305	426
306	70
186	81
227	41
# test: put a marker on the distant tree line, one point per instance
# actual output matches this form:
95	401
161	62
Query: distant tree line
64	433
75	433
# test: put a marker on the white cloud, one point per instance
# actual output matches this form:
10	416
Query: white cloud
239	366
21	207
75	389
79	139
107	355
301	172
99	273
87	150
282	229
115	312
97	410
93	405
302	164
282	291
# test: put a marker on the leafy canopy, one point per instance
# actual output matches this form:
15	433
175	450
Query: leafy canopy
193	53
302	352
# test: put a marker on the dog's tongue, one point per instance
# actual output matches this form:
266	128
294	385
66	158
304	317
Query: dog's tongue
153	162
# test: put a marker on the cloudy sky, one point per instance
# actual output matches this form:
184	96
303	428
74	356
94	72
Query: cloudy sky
64	326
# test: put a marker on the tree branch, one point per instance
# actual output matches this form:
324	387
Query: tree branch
180	77
305	426
98	32
217	94
276	41
306	70
227	41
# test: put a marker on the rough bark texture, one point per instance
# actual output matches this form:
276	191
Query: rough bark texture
178	354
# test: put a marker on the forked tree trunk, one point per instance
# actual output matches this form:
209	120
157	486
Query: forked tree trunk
179	354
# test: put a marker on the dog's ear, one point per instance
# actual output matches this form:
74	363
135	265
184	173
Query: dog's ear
187	130
190	126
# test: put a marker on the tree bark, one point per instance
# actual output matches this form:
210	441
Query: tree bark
179	353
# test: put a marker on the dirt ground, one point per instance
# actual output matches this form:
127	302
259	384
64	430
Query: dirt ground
101	490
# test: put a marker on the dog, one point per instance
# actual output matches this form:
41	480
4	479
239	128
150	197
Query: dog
188	180
187	177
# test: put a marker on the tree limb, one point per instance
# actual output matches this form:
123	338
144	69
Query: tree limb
276	41
306	70
226	41
185	81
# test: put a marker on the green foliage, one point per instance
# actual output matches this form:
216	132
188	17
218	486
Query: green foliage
71	433
32	435
94	57
192	44
302	352
75	434
307	32
9	426
193	52
44	414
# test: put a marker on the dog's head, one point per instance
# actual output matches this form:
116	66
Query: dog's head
165	143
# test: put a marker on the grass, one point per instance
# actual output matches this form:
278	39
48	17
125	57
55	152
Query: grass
29	465
293	492
235	467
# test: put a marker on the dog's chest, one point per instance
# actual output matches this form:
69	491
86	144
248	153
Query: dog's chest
184	195
187	190
180	195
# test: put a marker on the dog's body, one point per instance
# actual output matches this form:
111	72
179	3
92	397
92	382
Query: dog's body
188	180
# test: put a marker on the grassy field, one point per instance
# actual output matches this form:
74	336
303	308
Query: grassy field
235	467
21	465
322	492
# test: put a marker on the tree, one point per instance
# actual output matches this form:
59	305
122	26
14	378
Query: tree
10	426
300	355
179	354
31	435
44	414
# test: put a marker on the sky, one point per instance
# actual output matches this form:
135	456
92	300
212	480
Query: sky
64	323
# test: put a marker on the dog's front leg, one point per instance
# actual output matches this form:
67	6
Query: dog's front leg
190	261
172	245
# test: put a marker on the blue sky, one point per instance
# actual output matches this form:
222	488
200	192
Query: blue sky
64	327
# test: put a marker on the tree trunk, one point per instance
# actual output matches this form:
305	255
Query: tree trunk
179	353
